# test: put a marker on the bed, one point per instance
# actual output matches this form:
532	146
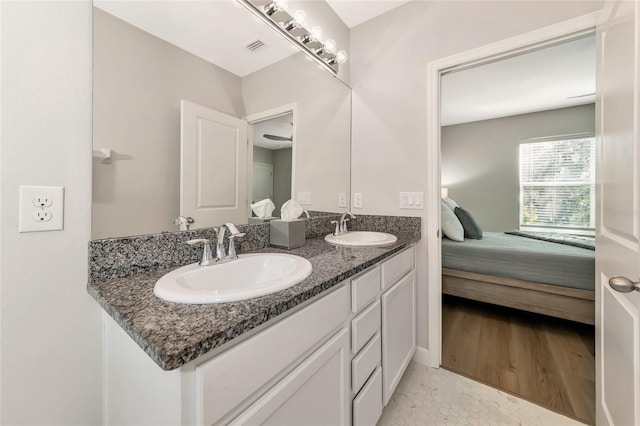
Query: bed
522	272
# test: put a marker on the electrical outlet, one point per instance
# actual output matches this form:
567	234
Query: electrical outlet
41	208
42	201
357	200
342	199
42	215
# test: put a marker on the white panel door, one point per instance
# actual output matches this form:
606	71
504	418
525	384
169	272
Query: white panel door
262	182
618	224
213	166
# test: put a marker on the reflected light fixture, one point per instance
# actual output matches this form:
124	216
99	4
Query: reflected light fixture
275	14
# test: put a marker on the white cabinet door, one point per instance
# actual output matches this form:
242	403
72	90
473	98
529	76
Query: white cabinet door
317	392
398	332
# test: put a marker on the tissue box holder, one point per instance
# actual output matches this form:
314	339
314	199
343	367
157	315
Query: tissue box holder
287	235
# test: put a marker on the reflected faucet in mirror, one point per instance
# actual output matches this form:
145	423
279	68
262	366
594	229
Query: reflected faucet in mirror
183	222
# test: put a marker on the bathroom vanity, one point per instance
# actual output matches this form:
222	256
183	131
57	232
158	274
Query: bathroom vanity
330	350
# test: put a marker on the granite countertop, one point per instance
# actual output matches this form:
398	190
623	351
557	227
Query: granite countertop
174	334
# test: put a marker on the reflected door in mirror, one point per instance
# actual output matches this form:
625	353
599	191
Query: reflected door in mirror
213	166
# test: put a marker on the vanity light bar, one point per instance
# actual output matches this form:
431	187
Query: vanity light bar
321	55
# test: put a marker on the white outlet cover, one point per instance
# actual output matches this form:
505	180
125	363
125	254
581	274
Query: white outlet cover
35	218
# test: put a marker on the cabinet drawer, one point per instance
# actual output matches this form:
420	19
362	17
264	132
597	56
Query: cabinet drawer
365	326
363	365
364	289
228	379
367	406
396	267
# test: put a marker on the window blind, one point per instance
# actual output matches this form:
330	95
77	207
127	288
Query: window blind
557	184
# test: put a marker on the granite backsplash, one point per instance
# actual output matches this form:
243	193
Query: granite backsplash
126	256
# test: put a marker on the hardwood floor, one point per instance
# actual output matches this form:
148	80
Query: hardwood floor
546	360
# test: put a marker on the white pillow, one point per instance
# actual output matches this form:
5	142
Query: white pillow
450	224
450	203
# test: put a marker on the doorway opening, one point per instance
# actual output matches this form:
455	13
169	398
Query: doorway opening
272	146
475	319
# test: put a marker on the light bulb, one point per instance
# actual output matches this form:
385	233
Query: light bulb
330	46
275	6
315	34
341	57
280	4
299	18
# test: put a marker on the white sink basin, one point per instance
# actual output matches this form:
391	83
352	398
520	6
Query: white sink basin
361	239
251	275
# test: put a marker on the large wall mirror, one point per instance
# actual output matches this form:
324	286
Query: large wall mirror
186	108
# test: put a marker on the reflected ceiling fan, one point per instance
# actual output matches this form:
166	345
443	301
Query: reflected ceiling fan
277	137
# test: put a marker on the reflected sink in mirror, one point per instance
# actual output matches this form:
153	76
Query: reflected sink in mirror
251	275
362	239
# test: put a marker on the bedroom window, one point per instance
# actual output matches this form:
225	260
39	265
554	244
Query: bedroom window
557	184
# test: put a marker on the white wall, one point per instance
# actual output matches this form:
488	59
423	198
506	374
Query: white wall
51	329
389	57
480	160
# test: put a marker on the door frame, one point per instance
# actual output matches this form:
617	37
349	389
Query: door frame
543	37
267	115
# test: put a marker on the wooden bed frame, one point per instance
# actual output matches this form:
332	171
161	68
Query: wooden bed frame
561	302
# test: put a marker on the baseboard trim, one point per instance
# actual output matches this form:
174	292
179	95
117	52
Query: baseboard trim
424	357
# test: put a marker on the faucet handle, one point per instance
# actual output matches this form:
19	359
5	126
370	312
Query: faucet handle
337	230
207	258
231	254
233	229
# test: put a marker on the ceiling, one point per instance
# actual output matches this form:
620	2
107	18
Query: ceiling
551	78
216	31
355	12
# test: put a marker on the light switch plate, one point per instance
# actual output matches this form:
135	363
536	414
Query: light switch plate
412	200
342	199
357	200
41	208
304	198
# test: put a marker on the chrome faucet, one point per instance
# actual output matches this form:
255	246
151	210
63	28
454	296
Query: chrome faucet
183	222
207	258
220	256
341	226
343	221
233	234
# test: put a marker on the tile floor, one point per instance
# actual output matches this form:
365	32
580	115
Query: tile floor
435	396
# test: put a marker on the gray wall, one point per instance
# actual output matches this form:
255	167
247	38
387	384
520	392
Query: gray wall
139	81
480	160
262	155
281	177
